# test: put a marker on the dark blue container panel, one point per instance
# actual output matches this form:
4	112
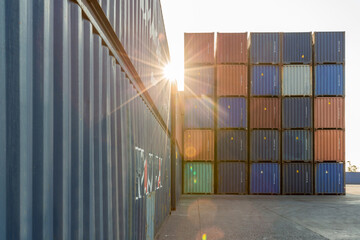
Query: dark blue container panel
265	178
265	80
199	113
329	80
297	112
178	174
232	177
264	146
264	48
329	178
329	47
297	48
199	81
297	145
297	178
232	112
232	145
352	177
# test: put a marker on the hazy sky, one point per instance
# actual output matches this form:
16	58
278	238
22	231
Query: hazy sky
275	16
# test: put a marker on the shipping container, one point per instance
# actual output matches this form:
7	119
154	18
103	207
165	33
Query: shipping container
265	113
296	80
232	177
232	145
297	48
231	48
232	80
297	178
179	118
199	145
264	146
265	80
329	145
352	177
264	48
329	80
199	48
296	112
198	177
329	112
232	112
199	113
179	164
297	146
264	178
199	81
329	178
329	47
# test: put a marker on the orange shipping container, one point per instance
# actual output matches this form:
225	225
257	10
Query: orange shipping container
265	113
330	145
199	145
329	112
231	48
232	80
199	48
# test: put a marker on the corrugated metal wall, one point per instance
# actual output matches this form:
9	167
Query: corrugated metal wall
265	113
265	178
296	80
329	178
265	80
329	80
232	177
264	146
232	80
264	48
198	177
232	145
199	113
199	145
199	48
329	112
297	48
297	145
231	48
330	145
297	178
199	81
329	47
232	112
296	113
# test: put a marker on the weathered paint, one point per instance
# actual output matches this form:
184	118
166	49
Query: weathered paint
329	47
264	146
329	112
199	145
297	145
265	80
232	177
231	48
232	112
264	178
329	178
296	112
199	113
296	80
198	177
264	48
199	81
265	113
329	80
199	48
232	80
232	145
297	178
329	145
297	48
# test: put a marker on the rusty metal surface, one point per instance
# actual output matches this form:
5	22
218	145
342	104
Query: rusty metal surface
329	112
231	48
330	145
199	145
232	80
265	113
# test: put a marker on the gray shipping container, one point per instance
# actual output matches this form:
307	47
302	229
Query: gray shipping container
296	80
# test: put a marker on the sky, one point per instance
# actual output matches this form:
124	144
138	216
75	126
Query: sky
275	16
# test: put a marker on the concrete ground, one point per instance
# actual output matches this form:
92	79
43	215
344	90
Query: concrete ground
212	217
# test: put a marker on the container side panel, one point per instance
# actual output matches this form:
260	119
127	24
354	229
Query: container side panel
329	112
232	113
264	145
297	113
232	145
199	48
231	48
329	47
297	178
297	48
199	113
329	80
265	113
330	145
232	80
264	48
199	145
296	80
198	178
199	81
265	178
297	145
265	80
329	178
232	177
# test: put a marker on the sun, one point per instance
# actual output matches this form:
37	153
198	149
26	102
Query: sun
169	72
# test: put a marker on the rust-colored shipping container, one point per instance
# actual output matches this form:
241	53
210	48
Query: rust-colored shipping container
265	113
232	80
199	145
199	48
231	48
329	112
330	145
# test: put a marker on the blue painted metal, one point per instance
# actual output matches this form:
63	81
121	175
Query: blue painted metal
232	112
232	145
329	80
352	177
297	112
297	145
264	146
199	81
265	178
297	178
297	47
232	177
265	80
178	174
199	113
329	47
264	48
329	178
3	152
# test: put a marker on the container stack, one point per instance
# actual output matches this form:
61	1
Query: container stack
199	135
232	121
329	112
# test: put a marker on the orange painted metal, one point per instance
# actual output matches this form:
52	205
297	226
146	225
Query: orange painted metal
265	113
330	145
199	145
232	80
329	112
199	48
231	48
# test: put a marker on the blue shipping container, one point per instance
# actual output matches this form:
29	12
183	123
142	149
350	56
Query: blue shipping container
265	80
352	177
329	80
329	47
297	112
232	177
297	178
297	48
199	113
265	178
232	145
199	81
297	145
264	146
264	48
329	178
232	112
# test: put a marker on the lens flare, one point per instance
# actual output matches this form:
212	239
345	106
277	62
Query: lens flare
169	72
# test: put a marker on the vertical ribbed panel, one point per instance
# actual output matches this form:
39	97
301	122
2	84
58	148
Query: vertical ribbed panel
330	145
199	145
296	80
329	112
199	48
297	145
329	178
264	48
232	80
297	112
265	80
264	145
199	113
232	112
265	113
329	47
329	80
232	177
199	81
297	48
231	48
232	145
265	178
297	178
198	178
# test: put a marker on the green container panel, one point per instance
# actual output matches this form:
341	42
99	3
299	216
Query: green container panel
198	177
